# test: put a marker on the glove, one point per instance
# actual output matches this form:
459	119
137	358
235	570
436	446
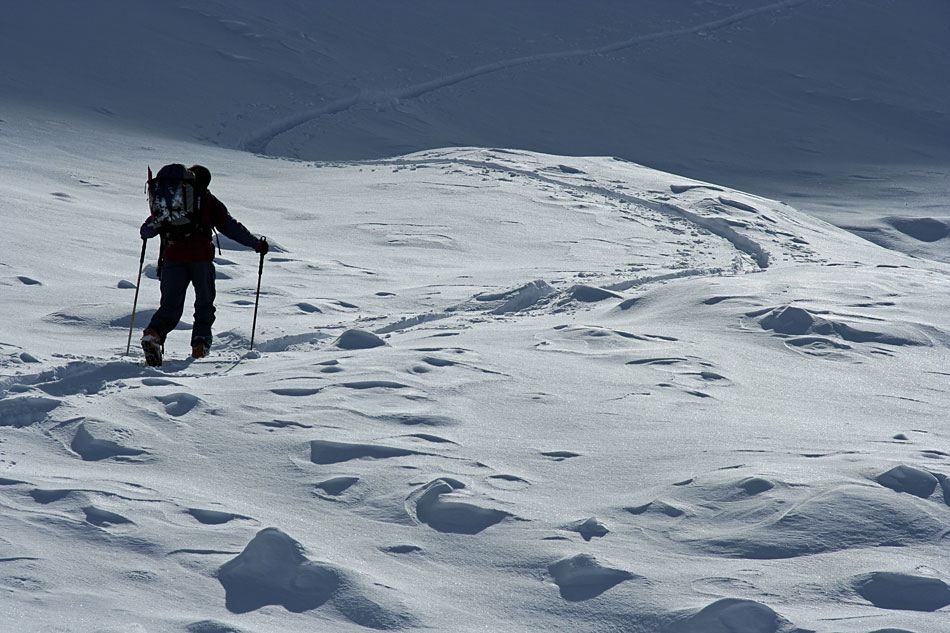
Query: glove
148	229
262	246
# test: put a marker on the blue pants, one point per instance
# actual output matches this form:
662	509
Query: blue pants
175	279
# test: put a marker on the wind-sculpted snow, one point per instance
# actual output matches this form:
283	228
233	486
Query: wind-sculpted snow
178	404
328	452
590	528
433	506
944	486
590	294
590	411
520	299
284	343
337	485
358	339
213	517
789	523
730	615
103	518
82	377
889	590
582	577
923	229
798	321
211	626
908	479
273	570
25	410
92	448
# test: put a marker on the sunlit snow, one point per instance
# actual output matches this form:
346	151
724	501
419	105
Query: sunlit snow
492	388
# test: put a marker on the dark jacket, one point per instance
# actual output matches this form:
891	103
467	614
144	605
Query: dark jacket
198	246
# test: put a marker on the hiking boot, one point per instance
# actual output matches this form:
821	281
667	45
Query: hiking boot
199	349
152	346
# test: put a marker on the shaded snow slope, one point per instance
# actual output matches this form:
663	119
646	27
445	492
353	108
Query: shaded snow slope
837	107
606	398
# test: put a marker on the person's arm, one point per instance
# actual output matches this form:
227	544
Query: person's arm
226	224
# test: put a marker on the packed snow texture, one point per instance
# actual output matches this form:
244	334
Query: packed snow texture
840	107
491	388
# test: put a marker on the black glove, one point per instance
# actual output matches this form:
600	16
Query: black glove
148	230
262	246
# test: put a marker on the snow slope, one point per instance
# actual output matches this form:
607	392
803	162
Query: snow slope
837	107
491	390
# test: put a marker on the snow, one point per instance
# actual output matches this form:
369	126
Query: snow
491	388
838	107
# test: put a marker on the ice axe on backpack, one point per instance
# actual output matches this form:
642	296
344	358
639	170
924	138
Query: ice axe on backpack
138	282
257	296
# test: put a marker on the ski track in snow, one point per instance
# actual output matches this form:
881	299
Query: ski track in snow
258	141
713	225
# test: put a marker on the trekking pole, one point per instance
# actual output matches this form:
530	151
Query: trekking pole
138	282
260	271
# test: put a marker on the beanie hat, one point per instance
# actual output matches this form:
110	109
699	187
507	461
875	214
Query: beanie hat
202	176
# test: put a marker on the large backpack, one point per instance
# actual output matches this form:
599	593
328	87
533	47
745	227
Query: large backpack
173	200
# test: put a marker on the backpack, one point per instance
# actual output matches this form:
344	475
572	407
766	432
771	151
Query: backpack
173	200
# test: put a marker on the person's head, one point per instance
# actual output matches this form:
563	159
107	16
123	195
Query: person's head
202	176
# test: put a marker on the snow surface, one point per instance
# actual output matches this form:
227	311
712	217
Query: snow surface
839	107
492	389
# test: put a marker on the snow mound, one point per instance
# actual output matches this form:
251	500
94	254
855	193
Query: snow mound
589	528
583	577
272	570
92	448
211	626
330	452
449	515
591	294
841	518
213	517
945	486
178	404
103	518
908	479
922	229
519	299
889	590
790	521
797	321
731	615
26	410
358	339
336	486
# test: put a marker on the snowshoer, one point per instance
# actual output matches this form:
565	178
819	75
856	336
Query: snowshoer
187	256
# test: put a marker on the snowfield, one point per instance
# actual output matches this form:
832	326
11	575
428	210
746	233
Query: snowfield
837	107
491	389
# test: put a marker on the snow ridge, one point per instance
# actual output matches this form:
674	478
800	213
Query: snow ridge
716	226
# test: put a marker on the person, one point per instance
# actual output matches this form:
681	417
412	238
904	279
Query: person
189	258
